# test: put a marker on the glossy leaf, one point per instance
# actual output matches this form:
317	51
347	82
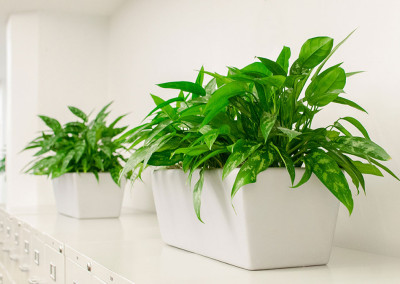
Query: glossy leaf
343	101
329	173
267	123
197	194
185	86
272	66
360	146
314	51
259	161
240	152
79	113
283	58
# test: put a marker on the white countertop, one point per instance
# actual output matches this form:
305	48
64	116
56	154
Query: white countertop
131	246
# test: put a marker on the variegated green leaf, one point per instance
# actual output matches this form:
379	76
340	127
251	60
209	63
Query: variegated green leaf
329	173
241	150
267	123
360	146
259	161
197	194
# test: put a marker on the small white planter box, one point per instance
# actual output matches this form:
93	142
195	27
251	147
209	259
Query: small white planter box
275	226
82	196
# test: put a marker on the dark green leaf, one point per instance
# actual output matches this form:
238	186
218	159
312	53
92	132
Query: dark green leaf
360	146
343	101
76	111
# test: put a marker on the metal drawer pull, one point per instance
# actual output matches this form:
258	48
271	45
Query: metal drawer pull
33	281
89	267
13	257
53	271
16	238
8	231
74	282
26	247
24	268
36	256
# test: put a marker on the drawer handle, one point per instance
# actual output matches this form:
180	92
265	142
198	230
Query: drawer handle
26	247
36	256
33	281
16	238
13	257
8	231
89	266
24	268
53	271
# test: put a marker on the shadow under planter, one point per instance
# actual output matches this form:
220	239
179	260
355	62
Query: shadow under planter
81	196
275	226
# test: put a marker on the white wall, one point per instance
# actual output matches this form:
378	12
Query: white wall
61	60
159	41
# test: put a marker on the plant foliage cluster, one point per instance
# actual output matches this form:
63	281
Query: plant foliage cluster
3	164
257	117
81	146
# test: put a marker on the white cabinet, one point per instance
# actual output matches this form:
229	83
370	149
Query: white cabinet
37	269
54	261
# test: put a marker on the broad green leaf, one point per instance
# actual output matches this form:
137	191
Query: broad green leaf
67	159
164	158
197	194
79	113
267	123
52	123
272	66
367	168
287	160
314	51
283	58
274	81
256	69
200	77
291	134
259	161
164	106
326	87
329	173
220	99
99	163
193	151
91	137
342	129
343	101
346	163
360	146
210	87
241	150
115	172
330	54
185	86
209	156
306	176
79	150
358	125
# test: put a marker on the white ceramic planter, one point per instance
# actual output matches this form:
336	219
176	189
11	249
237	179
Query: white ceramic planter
82	196
275	226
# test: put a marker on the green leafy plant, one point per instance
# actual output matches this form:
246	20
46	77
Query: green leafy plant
3	165
79	147
258	117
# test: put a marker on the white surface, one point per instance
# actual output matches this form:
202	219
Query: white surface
61	60
160	41
131	246
274	226
82	196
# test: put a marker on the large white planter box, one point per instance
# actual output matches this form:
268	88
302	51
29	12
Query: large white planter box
82	196
274	226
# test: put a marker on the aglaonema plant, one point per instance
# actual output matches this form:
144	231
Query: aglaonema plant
257	117
83	146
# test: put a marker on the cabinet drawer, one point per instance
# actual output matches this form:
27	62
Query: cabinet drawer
106	276
54	263
78	258
37	269
76	274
